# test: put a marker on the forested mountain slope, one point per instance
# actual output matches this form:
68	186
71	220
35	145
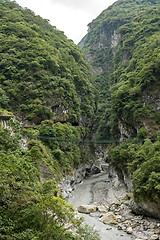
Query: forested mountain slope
46	94
43	74
46	85
123	47
45	82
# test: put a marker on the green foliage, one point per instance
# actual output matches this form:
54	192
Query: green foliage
30	205
142	160
138	76
5	141
61	139
3	99
123	47
43	75
44	78
142	133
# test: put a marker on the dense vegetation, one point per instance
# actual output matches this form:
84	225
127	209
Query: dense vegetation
143	161
136	92
30	206
43	74
46	85
123	47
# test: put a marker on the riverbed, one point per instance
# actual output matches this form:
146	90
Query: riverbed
92	189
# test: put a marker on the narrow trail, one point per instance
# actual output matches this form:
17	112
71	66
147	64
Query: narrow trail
86	193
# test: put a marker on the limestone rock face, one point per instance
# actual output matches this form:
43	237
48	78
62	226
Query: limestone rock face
152	208
146	208
87	209
109	218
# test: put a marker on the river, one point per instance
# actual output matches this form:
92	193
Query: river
84	194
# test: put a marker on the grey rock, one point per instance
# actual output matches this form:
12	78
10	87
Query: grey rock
140	239
102	208
109	218
154	237
87	209
95	170
129	230
146	208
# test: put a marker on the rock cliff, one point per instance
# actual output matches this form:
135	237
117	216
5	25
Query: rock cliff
122	45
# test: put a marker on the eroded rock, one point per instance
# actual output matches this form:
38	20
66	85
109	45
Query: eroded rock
154	237
109	218
146	208
129	230
102	208
87	209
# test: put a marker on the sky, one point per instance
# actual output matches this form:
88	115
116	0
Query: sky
69	16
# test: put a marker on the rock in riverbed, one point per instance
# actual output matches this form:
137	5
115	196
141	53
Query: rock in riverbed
108	218
154	237
102	208
129	230
87	209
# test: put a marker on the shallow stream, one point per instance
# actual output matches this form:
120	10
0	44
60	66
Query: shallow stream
83	194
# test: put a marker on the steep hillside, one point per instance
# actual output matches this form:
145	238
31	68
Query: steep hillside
46	83
31	206
43	74
122	44
123	47
47	102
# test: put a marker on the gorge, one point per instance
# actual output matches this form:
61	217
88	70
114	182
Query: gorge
69	112
103	193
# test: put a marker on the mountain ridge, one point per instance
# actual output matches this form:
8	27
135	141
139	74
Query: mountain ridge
46	94
122	46
47	84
